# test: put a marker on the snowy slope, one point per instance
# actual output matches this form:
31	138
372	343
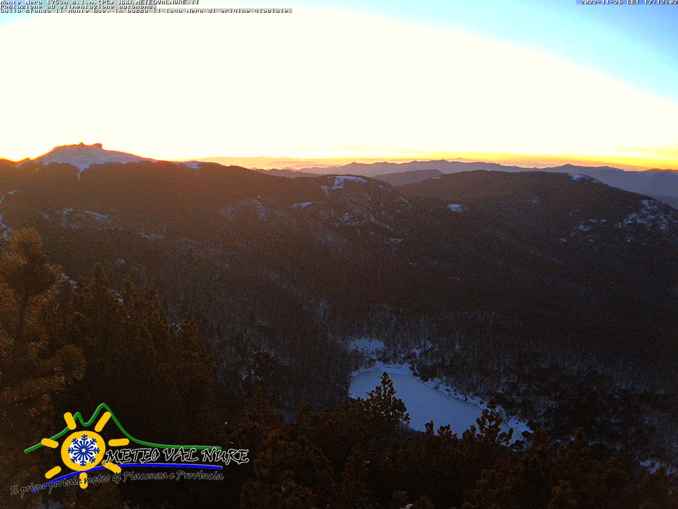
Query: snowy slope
83	156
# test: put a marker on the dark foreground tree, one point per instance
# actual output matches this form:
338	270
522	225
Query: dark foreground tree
33	369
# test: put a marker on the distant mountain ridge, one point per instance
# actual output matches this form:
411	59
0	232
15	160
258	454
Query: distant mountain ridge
409	177
442	165
657	183
660	184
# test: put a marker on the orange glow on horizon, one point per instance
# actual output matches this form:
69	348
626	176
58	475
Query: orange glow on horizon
526	160
340	99
638	163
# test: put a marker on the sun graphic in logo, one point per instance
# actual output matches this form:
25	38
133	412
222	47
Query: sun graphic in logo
83	450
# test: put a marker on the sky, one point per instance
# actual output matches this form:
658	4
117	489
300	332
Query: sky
515	81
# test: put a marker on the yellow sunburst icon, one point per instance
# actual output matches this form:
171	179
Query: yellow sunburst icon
82	450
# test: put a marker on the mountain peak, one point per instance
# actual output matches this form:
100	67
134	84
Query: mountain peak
82	156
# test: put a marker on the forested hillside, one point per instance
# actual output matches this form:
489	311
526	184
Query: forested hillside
230	296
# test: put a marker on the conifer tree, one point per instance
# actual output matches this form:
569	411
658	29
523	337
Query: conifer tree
384	407
33	368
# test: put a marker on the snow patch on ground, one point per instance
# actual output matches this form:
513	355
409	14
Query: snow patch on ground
4	196
581	178
99	216
367	346
653	466
152	236
302	205
589	225
652	214
65	218
77	219
456	207
425	401
4	228
341	180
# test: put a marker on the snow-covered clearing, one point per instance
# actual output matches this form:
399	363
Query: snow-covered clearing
425	401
